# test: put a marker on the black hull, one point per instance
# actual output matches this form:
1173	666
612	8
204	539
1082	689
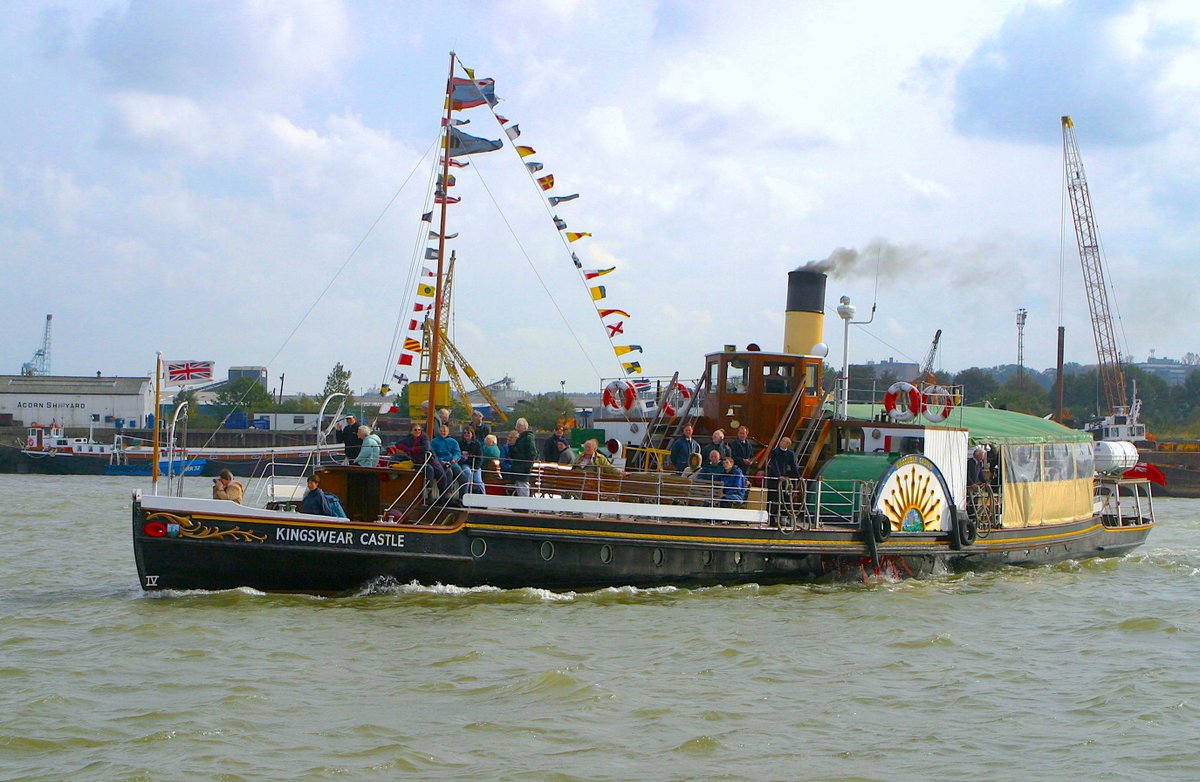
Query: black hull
524	550
61	465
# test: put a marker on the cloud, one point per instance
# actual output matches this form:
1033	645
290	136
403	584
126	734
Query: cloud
193	47
1104	63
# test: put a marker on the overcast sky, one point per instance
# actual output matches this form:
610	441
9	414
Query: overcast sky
190	177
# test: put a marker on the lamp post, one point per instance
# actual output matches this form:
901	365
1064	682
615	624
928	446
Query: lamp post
846	312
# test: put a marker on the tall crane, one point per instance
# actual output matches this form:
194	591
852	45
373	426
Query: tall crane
40	363
1112	376
927	366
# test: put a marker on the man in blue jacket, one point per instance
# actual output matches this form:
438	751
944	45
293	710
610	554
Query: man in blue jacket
682	449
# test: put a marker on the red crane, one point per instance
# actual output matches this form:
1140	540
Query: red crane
1112	376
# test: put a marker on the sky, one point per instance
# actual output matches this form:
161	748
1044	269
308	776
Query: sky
243	182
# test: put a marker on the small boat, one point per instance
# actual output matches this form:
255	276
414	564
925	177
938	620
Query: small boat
879	487
48	450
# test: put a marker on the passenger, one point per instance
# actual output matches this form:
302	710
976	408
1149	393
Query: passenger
368	455
491	458
782	463
734	481
226	488
347	434
744	450
506	453
416	446
472	453
695	462
977	468
446	449
718	444
683	448
550	448
523	454
709	478
592	460
565	454
314	501
482	430
443	418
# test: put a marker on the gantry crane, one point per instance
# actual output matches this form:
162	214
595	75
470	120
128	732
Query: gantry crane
1112	376
455	362
449	356
40	363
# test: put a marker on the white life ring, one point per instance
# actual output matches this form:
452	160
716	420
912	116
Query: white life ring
619	396
902	402
30	442
674	399
937	404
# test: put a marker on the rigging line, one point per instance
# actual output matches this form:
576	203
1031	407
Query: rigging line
536	274
862	327
328	285
561	236
1112	288
349	258
414	274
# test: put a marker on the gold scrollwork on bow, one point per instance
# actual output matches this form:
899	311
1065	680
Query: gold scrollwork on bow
190	528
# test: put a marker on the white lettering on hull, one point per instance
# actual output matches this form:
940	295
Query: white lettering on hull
339	537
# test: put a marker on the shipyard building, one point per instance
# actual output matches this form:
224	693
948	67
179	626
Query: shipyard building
115	402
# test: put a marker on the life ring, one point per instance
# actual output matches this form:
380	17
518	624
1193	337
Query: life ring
902	402
674	398
30	442
937	404
619	396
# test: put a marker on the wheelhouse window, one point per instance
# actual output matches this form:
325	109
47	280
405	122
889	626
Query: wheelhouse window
737	376
778	377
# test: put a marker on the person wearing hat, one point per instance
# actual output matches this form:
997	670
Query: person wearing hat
347	434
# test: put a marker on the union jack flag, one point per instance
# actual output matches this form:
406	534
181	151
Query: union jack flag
182	372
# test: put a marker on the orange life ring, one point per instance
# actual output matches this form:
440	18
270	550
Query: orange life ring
674	398
902	402
937	404
619	396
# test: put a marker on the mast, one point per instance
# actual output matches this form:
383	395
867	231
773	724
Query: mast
436	347
157	407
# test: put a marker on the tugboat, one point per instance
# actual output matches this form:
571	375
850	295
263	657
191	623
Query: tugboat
877	486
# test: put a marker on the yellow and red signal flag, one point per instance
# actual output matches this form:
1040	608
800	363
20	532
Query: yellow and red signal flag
574	237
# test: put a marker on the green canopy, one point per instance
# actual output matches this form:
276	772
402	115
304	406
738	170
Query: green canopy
989	425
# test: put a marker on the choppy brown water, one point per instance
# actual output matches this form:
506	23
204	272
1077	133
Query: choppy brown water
1085	670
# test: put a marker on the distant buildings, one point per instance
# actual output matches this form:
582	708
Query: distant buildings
1169	369
901	370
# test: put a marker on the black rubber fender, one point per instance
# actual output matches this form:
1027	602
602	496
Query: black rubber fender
867	527
963	531
881	527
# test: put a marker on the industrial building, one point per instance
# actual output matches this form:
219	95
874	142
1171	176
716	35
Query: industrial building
115	402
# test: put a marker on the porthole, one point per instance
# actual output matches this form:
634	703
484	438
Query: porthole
606	553
478	547
547	551
706	557
658	556
737	557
